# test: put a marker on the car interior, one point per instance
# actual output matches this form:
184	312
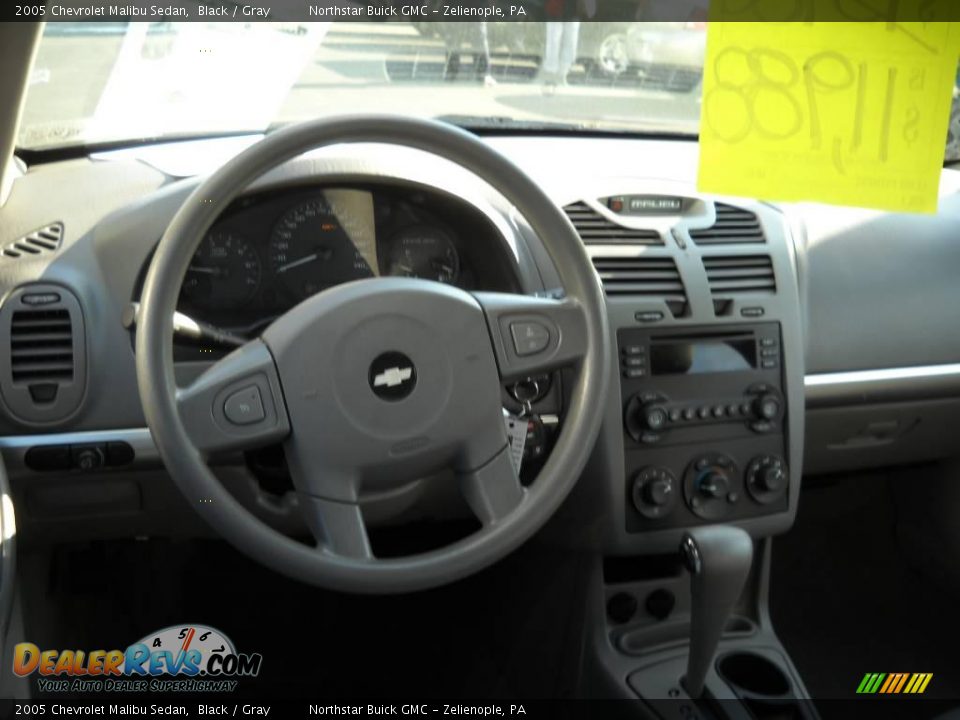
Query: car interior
435	387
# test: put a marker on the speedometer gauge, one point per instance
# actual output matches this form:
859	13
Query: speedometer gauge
224	273
311	251
424	252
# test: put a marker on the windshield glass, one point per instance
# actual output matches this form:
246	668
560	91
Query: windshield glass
103	82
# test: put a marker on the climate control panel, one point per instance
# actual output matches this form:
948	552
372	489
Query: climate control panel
714	487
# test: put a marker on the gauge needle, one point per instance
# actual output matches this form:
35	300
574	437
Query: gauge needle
296	263
202	269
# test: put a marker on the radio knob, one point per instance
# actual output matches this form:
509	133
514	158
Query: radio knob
654	417
767	407
645	417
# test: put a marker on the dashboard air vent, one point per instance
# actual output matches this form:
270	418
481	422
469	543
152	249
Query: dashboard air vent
733	226
41	346
731	275
648	277
594	229
42	336
44	240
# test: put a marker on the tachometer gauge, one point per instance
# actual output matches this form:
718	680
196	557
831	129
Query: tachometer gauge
310	251
224	273
424	252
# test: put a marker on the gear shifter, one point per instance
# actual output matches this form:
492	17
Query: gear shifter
718	558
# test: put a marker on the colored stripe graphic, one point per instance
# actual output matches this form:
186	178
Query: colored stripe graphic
894	683
891	680
901	683
870	683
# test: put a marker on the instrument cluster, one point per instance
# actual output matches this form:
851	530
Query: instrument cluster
268	252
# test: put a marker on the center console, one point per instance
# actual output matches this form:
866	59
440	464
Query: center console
701	448
703	423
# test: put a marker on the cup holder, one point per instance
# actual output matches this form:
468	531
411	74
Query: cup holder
754	675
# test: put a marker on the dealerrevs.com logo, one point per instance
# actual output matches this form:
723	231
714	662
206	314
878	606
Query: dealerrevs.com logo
180	658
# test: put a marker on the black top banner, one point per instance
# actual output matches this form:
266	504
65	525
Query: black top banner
305	11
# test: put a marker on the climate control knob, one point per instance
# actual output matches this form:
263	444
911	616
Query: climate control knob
657	492
654	492
766	478
711	486
772	479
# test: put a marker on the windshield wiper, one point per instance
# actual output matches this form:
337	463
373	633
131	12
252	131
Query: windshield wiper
68	151
494	124
503	122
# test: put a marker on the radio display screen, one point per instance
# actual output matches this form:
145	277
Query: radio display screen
692	357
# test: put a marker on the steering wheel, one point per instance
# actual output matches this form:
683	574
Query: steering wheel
374	383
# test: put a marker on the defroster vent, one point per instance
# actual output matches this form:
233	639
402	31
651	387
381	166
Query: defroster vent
646	277
42	330
595	229
42	240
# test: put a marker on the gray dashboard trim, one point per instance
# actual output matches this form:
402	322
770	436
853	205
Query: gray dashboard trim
821	390
14	447
900	384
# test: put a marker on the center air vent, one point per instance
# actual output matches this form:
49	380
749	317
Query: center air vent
41	329
44	240
648	277
732	275
733	226
595	229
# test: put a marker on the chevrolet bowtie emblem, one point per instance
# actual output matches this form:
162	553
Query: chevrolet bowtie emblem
391	377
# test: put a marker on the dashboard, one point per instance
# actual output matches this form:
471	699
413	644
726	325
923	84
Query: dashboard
269	251
804	329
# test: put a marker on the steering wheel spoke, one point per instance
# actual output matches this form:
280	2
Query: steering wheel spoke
236	404
534	334
493	490
338	527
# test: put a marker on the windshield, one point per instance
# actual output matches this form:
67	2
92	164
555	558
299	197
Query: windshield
104	82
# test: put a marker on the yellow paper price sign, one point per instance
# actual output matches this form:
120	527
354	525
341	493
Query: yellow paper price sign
851	113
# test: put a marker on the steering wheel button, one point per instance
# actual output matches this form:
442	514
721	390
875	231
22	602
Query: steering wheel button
244	407
529	338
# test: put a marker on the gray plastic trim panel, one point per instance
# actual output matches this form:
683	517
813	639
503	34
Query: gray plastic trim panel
15	447
860	387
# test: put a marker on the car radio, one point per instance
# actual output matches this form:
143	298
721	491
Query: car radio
704	422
